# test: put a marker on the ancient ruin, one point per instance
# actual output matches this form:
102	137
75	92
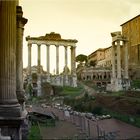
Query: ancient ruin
119	79
56	40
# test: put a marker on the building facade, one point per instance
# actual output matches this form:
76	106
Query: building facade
131	30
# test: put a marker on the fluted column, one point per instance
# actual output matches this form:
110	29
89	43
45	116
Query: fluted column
29	58
66	59
73	67
126	60
7	54
57	60
39	58
19	52
73	62
10	111
113	60
48	58
118	60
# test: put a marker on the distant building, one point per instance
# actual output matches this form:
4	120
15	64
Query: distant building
102	57
96	56
131	30
98	76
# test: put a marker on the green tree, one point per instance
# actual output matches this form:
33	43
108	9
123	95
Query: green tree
81	58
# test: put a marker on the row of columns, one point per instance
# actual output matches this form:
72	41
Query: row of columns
73	65
116	73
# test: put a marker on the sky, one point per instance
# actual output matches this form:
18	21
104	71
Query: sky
88	21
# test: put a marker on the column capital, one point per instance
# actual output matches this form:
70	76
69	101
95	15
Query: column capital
38	45
29	44
57	46
65	46
20	19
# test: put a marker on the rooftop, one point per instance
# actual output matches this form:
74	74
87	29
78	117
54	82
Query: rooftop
130	20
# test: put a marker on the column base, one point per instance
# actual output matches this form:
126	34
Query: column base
11	128
11	121
10	112
116	85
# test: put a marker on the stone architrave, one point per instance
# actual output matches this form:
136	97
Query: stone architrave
10	111
19	58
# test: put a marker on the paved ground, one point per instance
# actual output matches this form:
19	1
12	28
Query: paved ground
69	127
62	130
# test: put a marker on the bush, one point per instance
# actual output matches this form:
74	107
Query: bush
97	110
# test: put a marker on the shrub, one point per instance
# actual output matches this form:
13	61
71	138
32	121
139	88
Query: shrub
97	110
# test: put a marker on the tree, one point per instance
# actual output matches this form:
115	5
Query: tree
81	58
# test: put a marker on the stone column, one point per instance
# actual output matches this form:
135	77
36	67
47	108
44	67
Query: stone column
66	58
126	60
48	59
113	60
57	60
66	65
39	58
118	60
73	67
73	62
10	113
48	62
29	58
19	58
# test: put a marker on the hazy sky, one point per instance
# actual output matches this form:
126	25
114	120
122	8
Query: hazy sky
88	21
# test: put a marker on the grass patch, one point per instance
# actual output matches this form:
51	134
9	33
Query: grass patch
135	84
134	120
71	91
115	94
34	133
